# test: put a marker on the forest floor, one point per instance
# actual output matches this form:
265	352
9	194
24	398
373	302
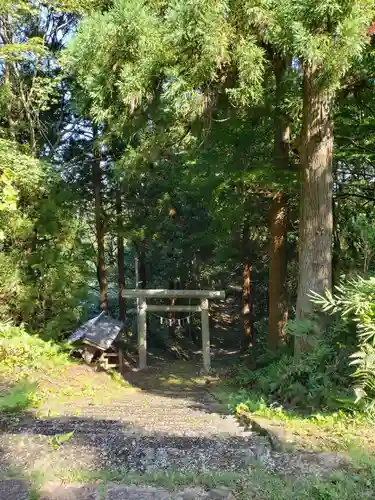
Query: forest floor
156	435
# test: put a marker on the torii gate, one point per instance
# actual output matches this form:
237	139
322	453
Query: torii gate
143	307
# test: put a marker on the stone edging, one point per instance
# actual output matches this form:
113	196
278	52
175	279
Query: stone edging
277	436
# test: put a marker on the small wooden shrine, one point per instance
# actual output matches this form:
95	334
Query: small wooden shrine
97	337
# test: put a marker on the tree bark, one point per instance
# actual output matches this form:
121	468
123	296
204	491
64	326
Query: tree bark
277	297
141	251
9	107
100	233
316	221
247	292
120	255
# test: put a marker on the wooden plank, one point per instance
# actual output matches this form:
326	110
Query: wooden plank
142	334
91	344
206	336
161	308
165	293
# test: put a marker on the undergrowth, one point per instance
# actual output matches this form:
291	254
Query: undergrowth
18	398
41	375
326	395
315	381
21	351
320	413
21	356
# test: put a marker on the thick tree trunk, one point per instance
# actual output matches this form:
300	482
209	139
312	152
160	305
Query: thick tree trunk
277	297
316	222
120	255
247	292
100	233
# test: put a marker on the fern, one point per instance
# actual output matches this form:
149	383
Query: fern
364	360
354	300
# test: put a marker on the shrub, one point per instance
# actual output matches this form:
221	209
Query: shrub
319	379
354	302
18	349
310	382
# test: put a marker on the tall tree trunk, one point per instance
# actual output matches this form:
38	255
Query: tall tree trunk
120	255
277	297
142	264
9	107
100	233
6	37
316	221
247	292
336	251
336	262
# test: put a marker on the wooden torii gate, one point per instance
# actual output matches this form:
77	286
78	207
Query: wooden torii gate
143	294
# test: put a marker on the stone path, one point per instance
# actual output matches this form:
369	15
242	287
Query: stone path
156	429
151	430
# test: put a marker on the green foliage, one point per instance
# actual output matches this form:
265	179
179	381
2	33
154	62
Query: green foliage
20	350
329	36
21	354
182	94
111	56
59	439
43	271
313	381
354	300
18	398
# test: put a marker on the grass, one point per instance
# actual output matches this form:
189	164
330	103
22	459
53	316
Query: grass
40	376
336	431
257	484
171	480
340	486
358	483
17	398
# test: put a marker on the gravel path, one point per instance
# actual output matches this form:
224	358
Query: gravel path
144	432
158	429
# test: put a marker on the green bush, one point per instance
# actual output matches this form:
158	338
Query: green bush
18	349
310	382
319	379
339	370
354	302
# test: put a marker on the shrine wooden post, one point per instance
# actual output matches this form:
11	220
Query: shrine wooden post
203	295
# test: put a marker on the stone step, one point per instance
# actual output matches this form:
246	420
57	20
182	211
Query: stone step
156	398
113	449
139	408
170	421
168	427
